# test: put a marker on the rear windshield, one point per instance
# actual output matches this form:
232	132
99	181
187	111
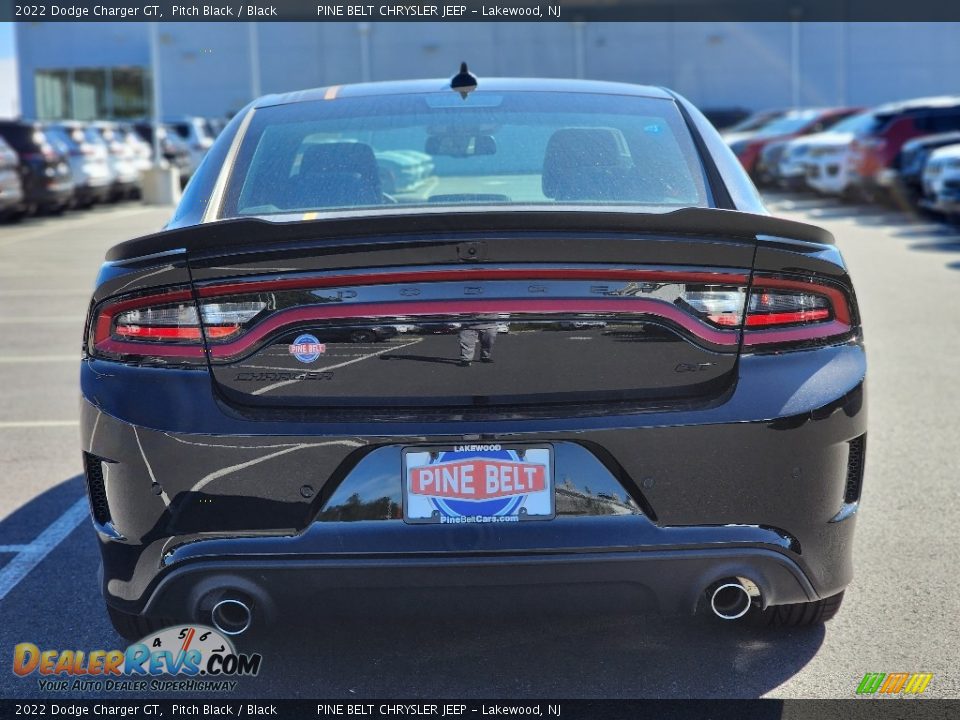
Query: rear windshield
856	124
436	149
790	123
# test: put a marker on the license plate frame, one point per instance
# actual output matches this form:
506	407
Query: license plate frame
506	498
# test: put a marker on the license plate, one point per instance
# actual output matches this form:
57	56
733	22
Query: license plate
478	483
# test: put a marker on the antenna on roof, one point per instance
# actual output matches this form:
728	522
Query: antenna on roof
464	82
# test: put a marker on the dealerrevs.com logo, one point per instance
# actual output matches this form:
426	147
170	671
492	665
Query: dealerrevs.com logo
201	657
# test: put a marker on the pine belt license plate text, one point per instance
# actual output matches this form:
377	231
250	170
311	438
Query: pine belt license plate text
477	483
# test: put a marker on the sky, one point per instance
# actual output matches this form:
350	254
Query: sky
9	105
6	39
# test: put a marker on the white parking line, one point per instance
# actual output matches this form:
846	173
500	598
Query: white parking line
33	553
42	320
13	548
51	226
14	424
49	292
14	359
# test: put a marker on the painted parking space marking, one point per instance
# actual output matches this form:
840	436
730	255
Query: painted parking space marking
42	320
33	553
17	424
15	359
48	292
53	226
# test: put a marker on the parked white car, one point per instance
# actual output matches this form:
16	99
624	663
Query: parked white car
89	160
824	159
122	157
941	181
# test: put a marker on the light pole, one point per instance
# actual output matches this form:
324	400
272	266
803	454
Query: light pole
155	81
160	183
254	42
364	28
795	13
579	49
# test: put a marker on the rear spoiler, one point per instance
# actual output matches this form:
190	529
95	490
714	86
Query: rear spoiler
238	233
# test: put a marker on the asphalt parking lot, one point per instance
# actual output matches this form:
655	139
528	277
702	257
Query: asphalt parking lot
900	614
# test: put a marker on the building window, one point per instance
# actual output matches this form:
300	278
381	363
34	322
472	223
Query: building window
92	93
53	94
131	93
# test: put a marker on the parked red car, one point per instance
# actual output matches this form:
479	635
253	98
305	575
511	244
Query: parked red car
790	125
875	152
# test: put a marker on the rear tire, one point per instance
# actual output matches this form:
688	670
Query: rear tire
134	627
797	614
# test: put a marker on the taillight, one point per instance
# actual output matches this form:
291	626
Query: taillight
784	310
777	311
165	326
721	306
230	319
767	308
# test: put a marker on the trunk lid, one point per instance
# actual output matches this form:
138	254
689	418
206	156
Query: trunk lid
379	322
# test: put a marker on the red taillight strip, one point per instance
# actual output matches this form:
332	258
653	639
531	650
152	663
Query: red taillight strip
381	311
215	332
469	274
786	318
158	333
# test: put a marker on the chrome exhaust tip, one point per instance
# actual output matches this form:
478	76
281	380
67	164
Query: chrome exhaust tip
731	599
231	616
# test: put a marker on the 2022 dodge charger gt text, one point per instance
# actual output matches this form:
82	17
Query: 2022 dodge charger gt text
607	368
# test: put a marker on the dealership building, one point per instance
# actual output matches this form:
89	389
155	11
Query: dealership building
104	70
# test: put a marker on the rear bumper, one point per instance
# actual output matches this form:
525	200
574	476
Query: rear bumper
49	197
668	581
98	192
201	496
942	204
829	177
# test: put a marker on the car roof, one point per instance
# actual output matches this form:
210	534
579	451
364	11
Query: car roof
947	150
939	102
440	85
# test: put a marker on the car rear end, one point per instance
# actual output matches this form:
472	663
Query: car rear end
11	189
173	150
123	160
941	182
89	161
196	134
597	379
44	168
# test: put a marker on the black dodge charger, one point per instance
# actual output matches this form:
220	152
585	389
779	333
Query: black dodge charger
579	355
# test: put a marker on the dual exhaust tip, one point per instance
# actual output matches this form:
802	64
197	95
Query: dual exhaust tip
232	616
731	599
